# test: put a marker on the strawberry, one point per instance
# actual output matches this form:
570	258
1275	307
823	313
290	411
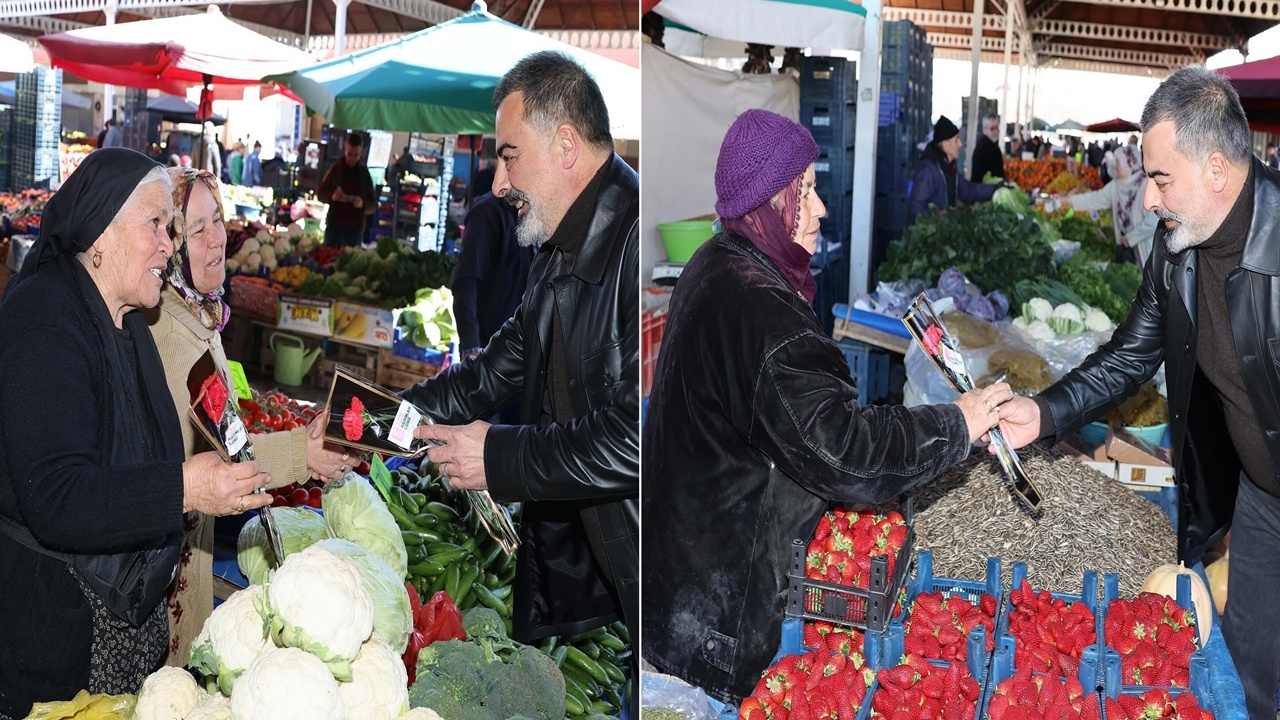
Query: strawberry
1074	688
988	605
933	685
1186	705
824	527
949	636
997	706
913	644
929	601
1132	705
811	637
840	643
1114	710
1089	709
902	676
898	536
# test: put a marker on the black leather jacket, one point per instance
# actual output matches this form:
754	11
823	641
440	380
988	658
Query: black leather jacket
1162	326
557	470
753	426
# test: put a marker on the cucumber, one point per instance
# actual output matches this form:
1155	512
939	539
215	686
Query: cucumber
419	499
580	659
603	707
620	629
405	500
467	582
573	707
491	581
486	597
492	557
591	649
426	568
446	513
415	553
558	655
502	592
612	642
615	675
426	520
448	557
453	576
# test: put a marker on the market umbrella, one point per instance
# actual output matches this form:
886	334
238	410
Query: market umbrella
15	56
1069	127
203	50
827	24
179	110
441	79
1258	85
1115	125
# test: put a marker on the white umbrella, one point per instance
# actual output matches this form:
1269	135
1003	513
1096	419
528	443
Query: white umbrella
15	56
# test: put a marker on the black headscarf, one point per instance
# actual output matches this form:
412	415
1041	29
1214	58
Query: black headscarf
75	217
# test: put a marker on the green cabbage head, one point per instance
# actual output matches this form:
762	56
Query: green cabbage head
299	527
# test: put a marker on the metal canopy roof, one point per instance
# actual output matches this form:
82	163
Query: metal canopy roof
1144	37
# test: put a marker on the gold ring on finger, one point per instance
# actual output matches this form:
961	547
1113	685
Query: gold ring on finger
240	507
346	457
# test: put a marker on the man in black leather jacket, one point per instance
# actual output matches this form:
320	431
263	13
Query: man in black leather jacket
1209	308
571	354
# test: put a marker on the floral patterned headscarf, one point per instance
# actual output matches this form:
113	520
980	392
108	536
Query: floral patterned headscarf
209	307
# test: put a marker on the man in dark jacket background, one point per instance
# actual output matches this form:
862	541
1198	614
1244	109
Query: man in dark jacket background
936	181
571	354
1209	308
987	157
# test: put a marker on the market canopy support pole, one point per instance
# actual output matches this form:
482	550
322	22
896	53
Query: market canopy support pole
864	163
1009	19
109	91
340	28
971	132
306	42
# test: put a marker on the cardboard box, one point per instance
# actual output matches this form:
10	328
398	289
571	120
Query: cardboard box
365	324
1097	459
304	313
1138	463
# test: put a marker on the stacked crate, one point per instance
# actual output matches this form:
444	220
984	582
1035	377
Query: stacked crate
828	89
37	128
906	111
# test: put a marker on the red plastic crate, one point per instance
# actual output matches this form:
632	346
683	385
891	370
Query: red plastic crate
652	324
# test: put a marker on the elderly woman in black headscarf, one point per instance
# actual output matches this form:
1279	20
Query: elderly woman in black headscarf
93	482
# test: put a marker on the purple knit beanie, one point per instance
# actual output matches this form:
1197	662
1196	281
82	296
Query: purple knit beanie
761	154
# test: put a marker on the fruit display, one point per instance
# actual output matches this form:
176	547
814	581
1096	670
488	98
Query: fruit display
1051	633
1155	639
276	412
938	627
810	686
1041	697
918	689
845	541
1155	704
836	638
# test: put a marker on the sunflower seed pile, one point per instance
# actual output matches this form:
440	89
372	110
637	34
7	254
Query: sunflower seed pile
1087	521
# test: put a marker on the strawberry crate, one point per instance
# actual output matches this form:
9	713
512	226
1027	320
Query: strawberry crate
1001	669
866	609
1203	699
1006	644
919	673
971	590
1113	676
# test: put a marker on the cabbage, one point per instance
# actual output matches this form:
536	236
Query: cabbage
952	282
1036	309
299	529
1040	330
354	511
1000	303
982	309
392	618
1067	319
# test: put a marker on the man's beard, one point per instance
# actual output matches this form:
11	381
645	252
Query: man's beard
1181	237
531	228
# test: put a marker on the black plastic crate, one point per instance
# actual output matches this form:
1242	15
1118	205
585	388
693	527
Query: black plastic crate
839	220
834	169
870	609
829	79
891	210
830	250
831	124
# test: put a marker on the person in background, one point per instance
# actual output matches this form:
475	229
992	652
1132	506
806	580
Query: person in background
1272	160
489	279
1209	310
348	189
212	151
113	138
102	135
754	425
1015	148
235	164
936	181
987	157
483	182
571	354
253	166
175	161
93	479
187	325
1134	226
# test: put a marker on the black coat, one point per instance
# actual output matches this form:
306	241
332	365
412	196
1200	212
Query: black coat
557	470
491	273
1161	326
57	478
987	158
753	426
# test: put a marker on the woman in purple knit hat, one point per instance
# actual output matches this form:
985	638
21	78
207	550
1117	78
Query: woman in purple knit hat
754	423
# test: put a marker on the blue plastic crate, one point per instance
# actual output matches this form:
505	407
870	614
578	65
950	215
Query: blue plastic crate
832	287
1005	642
1001	669
830	250
832	124
828	79
869	367
833	171
407	350
972	590
1113	680
1205	701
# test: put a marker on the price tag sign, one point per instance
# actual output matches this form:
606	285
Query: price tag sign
240	381
381	477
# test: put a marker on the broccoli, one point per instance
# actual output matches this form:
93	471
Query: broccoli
545	679
454	667
485	627
467	681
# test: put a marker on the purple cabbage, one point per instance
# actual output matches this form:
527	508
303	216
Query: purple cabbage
982	308
1001	304
952	283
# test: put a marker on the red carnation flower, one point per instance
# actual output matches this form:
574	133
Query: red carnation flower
933	339
215	397
353	424
356	404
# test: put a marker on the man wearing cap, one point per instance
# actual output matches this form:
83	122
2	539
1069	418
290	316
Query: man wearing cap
937	182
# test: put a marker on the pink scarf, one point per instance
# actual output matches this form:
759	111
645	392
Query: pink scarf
772	230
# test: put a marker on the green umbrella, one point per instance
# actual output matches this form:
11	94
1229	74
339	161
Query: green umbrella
441	80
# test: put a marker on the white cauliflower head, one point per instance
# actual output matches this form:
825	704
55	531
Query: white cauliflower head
1040	330
169	693
1067	319
317	602
421	714
232	637
379	687
286	684
1096	321
1037	309
217	707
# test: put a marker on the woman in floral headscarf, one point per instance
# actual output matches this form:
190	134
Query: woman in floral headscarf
185	327
1134	226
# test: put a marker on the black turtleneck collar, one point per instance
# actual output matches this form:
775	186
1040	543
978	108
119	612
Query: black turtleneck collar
572	231
1227	242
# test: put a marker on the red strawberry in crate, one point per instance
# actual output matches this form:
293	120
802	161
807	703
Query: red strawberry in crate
824	527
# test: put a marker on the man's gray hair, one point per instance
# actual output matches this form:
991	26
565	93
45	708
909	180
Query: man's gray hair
1205	111
556	89
159	174
991	118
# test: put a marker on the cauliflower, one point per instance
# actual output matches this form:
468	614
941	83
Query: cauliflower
252	262
296	230
1037	309
1066	319
1040	330
233	265
216	707
379	687
421	714
232	637
317	602
1096	321
250	246
263	237
168	693
1020	324
285	684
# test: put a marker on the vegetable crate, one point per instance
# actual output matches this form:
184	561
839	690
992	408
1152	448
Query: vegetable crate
1112	678
398	372
1006	644
652	324
831	79
831	121
971	590
833	287
869	367
870	609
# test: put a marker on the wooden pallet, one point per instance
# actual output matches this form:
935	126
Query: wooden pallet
399	372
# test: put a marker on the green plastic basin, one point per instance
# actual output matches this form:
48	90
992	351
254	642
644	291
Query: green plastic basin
681	239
